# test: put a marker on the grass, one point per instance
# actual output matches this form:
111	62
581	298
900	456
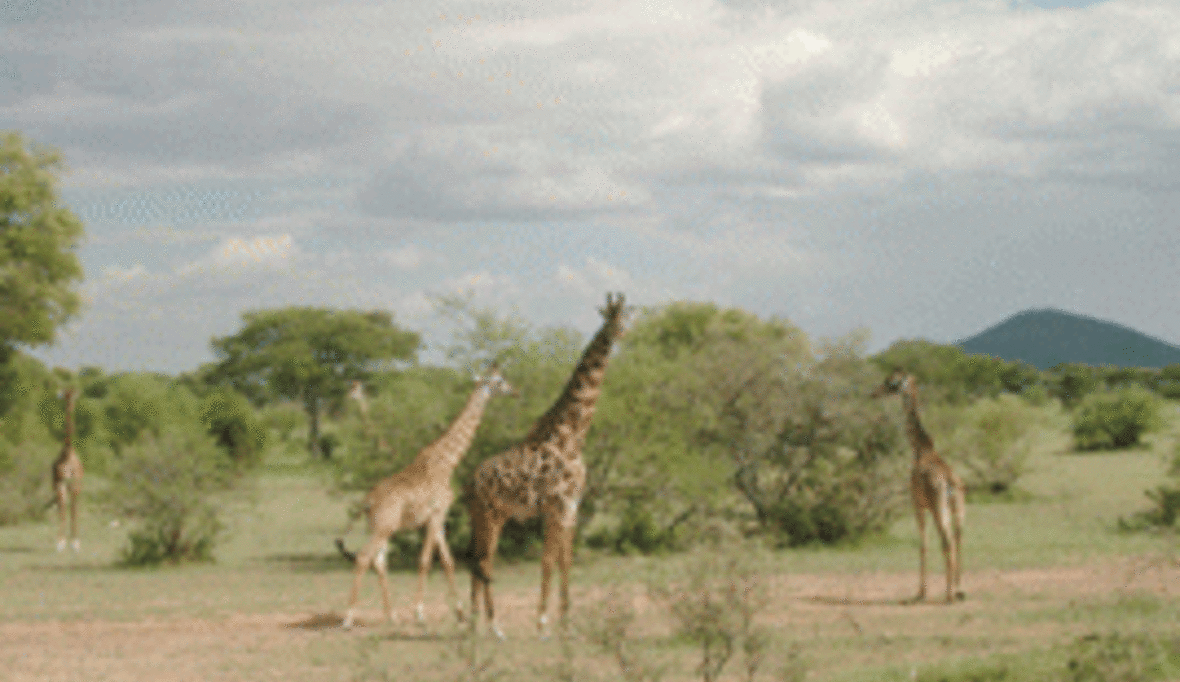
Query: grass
1041	572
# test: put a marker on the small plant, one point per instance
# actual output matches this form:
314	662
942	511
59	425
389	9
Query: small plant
164	482
1115	658
715	610
1115	419
607	625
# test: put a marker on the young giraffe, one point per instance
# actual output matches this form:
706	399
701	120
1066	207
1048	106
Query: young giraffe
419	496
67	479
933	487
543	475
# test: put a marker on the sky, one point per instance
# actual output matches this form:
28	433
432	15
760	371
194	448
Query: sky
917	168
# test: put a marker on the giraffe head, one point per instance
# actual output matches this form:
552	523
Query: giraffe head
615	314
493	382
896	382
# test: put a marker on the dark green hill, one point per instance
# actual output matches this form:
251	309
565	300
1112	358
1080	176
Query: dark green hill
1048	337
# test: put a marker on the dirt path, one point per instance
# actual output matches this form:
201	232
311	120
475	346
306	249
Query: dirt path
293	646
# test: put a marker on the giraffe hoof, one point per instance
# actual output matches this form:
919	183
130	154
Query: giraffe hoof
61	545
76	545
498	632
961	595
420	615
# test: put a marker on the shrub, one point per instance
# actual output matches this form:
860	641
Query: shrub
1115	658
993	439
164	483
232	423
1115	419
25	492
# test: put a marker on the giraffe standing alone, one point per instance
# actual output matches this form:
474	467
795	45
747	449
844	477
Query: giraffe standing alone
357	393
419	496
543	475
67	479
933	487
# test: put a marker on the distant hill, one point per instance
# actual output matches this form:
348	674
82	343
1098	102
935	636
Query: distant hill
1048	337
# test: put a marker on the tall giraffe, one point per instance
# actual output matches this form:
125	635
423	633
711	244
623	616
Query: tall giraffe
67	478
542	475
933	487
419	496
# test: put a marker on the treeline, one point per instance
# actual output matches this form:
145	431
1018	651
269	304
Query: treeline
948	373
712	420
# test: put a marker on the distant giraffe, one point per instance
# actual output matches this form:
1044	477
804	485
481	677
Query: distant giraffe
419	496
67	478
933	487
543	475
357	393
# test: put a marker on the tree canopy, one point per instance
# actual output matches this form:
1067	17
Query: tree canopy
38	266
308	354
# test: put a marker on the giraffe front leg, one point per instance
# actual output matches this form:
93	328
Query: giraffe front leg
75	543
921	555
62	500
424	561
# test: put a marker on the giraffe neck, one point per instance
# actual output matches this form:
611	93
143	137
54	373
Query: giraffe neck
444	454
920	440
69	439
568	420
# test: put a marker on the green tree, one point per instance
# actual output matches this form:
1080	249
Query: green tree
38	266
309	355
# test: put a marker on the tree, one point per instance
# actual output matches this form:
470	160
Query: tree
37	240
309	355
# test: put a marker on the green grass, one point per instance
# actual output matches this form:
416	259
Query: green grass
278	566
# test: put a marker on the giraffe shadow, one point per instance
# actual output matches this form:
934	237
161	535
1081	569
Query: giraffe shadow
844	601
310	562
17	549
333	621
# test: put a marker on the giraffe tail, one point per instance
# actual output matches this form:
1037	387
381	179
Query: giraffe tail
347	554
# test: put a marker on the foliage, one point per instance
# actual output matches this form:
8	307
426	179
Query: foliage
38	237
1114	419
309	355
715	608
1167	381
231	421
607	625
949	374
24	480
1114	657
1072	382
164	481
993	439
1165	500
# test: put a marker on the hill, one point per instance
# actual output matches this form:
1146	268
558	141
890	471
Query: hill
1048	337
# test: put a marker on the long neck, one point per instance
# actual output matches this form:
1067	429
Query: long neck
451	446
920	440
570	415
69	439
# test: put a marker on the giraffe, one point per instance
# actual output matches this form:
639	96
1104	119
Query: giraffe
542	475
933	487
67	478
357	393
419	496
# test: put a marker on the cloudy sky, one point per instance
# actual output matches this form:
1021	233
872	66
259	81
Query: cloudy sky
920	168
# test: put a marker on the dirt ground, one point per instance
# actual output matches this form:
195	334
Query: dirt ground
864	607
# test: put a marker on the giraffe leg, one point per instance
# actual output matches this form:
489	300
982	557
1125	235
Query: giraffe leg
448	564
75	543
427	557
564	560
386	601
485	536
364	559
549	556
959	513
62	500
943	525
921	513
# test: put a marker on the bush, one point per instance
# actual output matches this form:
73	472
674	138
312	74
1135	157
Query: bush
24	481
1115	658
993	439
231	421
164	482
1115	419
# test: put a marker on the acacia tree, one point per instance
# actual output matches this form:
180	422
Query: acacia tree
309	355
38	266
